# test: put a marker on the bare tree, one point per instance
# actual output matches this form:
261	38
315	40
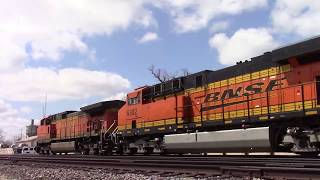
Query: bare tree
162	75
185	72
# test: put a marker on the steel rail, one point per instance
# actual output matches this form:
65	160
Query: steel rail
304	168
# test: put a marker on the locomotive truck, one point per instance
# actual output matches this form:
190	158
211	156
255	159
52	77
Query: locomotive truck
270	103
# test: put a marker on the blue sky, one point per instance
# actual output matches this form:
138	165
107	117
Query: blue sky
83	52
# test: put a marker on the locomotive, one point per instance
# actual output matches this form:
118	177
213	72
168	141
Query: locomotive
270	103
81	131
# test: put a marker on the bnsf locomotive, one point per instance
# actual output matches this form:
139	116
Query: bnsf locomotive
270	103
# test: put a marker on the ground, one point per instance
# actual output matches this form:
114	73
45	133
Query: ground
17	172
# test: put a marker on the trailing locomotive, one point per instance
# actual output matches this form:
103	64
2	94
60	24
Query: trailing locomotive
83	131
270	103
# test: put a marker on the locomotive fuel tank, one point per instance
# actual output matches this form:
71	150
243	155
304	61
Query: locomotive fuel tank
236	140
63	147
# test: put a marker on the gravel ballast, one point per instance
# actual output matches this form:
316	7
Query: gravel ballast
27	172
11	171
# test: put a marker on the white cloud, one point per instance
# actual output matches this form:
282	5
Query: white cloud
219	26
26	109
300	17
293	18
31	84
48	28
243	44
6	109
10	122
12	55
192	15
148	37
118	96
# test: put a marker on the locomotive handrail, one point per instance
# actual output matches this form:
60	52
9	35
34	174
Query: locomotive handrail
112	125
112	134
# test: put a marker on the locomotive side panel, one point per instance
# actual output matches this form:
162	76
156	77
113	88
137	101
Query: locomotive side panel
255	96
110	117
142	117
84	125
212	103
43	133
69	127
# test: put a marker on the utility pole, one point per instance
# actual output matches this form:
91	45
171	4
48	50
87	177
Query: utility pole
44	108
21	134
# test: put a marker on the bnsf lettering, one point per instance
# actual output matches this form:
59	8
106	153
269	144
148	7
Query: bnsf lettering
254	88
212	97
273	84
230	94
251	89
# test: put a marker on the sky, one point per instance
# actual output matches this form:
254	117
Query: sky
78	52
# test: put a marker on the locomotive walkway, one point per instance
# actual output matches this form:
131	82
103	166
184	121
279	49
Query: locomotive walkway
272	167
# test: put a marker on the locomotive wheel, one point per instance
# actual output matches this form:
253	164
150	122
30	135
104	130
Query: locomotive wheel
148	150
50	152
163	152
133	151
96	151
106	152
85	151
119	151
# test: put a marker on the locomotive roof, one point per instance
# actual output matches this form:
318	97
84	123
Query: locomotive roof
268	59
101	106
61	115
255	64
306	47
75	113
64	113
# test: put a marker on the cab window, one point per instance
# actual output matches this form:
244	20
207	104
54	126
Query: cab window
134	100
198	81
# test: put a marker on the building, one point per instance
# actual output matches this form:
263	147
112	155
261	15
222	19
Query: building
31	135
31	130
30	141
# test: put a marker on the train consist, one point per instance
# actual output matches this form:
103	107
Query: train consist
270	103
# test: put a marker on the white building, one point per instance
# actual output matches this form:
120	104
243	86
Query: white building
30	141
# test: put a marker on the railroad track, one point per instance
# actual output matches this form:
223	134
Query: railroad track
192	166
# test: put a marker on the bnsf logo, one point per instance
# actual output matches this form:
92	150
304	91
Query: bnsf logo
251	89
